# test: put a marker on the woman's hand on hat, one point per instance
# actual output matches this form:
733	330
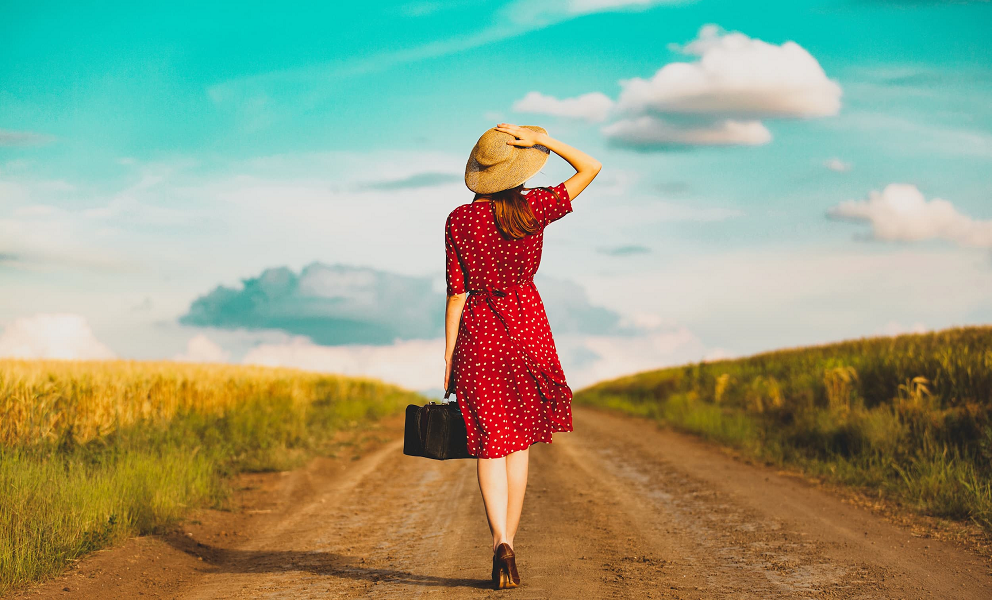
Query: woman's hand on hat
525	138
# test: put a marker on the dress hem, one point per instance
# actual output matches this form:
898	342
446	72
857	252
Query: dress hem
522	447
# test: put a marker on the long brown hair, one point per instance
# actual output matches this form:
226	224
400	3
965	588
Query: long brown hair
514	217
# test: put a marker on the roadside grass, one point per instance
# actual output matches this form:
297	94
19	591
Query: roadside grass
94	452
907	418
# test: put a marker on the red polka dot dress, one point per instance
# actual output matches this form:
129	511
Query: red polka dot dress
507	376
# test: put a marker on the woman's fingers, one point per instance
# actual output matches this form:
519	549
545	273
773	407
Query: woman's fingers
511	129
523	137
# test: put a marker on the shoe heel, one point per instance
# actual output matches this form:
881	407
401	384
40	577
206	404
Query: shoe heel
504	579
505	568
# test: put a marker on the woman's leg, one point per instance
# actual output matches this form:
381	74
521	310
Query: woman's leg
516	478
493	483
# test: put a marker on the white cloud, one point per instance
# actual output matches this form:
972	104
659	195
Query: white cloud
413	364
60	336
616	356
713	101
202	349
893	328
419	364
901	213
648	131
718	354
739	76
593	107
837	165
755	299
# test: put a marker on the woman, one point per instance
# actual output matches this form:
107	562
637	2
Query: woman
500	358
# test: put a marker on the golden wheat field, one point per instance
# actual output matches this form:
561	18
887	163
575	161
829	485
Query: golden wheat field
92	452
47	400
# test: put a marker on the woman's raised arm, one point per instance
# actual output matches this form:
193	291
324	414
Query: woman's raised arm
586	167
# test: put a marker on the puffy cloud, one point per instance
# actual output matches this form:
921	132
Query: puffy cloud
713	101
61	336
901	213
593	107
651	132
331	304
570	311
413	364
202	349
343	305
589	335
736	75
837	165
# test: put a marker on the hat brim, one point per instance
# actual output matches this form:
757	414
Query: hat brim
526	162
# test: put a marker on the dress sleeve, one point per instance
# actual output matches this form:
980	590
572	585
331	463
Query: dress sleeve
547	208
454	275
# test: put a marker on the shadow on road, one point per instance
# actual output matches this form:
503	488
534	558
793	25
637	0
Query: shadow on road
227	560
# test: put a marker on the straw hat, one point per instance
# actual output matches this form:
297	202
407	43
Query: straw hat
495	166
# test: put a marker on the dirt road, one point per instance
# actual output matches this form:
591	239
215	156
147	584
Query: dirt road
618	509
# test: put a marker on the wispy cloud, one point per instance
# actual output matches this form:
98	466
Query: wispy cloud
593	107
925	136
249	93
52	225
417	180
626	250
24	138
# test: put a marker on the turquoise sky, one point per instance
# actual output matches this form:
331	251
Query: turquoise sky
151	153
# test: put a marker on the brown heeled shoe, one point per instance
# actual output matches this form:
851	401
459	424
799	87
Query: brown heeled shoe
505	568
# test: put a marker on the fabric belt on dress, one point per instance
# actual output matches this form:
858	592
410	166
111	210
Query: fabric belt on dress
550	380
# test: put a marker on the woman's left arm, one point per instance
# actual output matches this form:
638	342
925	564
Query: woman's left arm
452	319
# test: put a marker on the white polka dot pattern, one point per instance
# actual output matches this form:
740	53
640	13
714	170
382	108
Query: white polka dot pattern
507	376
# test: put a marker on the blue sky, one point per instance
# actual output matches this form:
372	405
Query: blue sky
268	183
